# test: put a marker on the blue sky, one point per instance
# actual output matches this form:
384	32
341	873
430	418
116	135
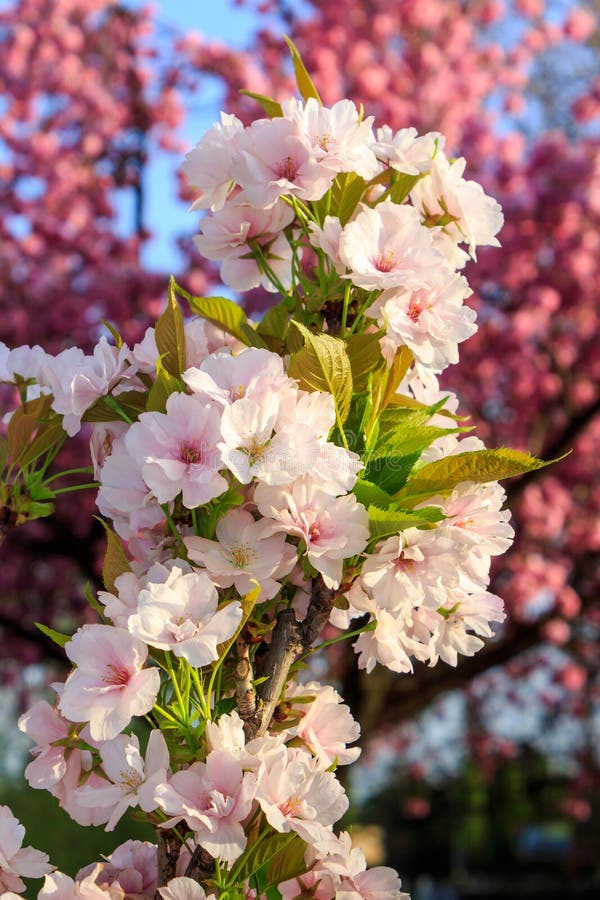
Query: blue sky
165	216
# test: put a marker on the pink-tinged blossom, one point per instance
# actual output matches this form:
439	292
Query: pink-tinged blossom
388	247
305	422
77	381
58	768
131	868
177	451
120	606
209	167
145	353
109	685
181	614
327	239
343	872
326	725
296	795
407	151
416	567
124	497
339	140
464	614
476	217
23	361
249	447
59	886
214	798
133	778
227	736
251	373
232	236
430	321
275	160
245	552
18	862
184	889
332	528
479	526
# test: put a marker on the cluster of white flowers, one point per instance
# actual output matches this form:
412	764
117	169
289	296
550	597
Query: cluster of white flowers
227	471
406	253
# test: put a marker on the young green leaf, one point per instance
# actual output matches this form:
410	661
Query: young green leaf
385	522
164	385
303	79
56	636
227	315
115	560
364	353
170	334
480	466
323	365
270	106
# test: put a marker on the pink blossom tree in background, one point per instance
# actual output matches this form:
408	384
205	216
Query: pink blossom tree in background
510	84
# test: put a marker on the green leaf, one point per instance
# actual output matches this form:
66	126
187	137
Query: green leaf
94	602
133	403
164	385
480	466
273	325
116	336
170	334
3	452
390	473
24	422
270	106
227	315
56	636
115	560
346	193
384	522
323	365
47	436
403	431
364	353
303	79
369	494
402	185
288	862
400	366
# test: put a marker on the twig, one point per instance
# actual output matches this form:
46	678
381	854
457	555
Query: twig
168	849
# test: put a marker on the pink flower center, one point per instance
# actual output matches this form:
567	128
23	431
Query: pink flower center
237	392
416	307
404	564
118	675
190	453
290	808
314	532
385	261
287	168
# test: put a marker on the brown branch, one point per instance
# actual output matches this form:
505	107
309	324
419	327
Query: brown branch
289	641
201	866
168	849
244	682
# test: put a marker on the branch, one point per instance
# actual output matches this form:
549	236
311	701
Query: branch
244	681
290	640
201	866
168	850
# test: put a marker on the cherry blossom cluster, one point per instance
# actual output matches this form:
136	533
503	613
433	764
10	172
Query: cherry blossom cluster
263	486
257	182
